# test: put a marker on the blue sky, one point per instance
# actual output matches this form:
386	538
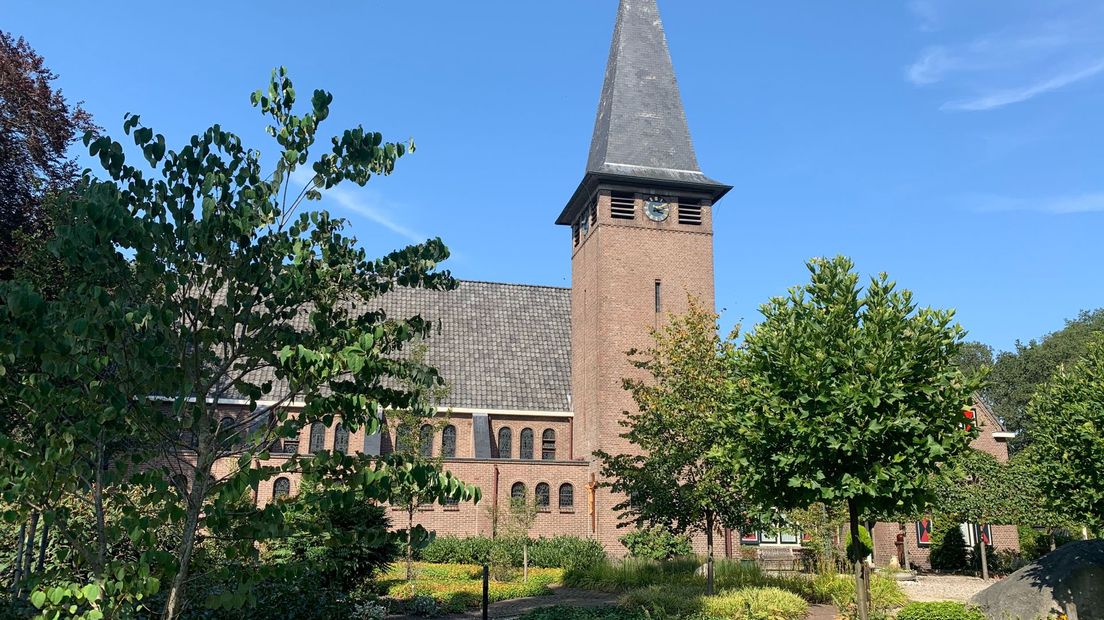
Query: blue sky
955	144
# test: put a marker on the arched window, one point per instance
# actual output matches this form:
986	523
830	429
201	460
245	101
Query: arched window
281	488
567	496
526	444
341	439
317	437
505	443
543	492
425	441
448	442
517	491
548	445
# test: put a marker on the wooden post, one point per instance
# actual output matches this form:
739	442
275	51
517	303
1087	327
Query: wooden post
525	562
486	589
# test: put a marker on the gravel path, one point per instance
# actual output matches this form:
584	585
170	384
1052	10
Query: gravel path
944	588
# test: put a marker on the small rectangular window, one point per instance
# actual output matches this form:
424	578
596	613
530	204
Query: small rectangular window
622	206
658	296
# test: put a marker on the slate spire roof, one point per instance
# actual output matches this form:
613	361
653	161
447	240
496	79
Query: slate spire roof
641	133
641	128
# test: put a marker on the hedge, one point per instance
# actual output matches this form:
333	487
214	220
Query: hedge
939	611
558	552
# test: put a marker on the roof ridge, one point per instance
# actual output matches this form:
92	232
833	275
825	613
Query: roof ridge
518	284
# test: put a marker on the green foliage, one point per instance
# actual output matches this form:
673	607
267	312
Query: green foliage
948	546
939	611
977	488
864	548
756	604
656	543
459	587
886	596
634	574
340	536
845	394
1068	434
1019	374
689	366
738	604
188	279
585	613
565	552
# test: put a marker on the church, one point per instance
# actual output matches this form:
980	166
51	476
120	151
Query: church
535	373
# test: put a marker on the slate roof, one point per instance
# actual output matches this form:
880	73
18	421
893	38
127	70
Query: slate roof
500	346
641	128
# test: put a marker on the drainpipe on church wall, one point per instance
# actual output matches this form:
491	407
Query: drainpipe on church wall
494	505
571	438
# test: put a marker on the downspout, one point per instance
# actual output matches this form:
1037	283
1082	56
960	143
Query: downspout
494	505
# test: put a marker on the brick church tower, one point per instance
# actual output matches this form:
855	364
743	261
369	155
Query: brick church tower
641	235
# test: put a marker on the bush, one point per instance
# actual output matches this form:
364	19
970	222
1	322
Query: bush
866	545
458	588
886	595
755	603
656	543
567	552
939	611
948	550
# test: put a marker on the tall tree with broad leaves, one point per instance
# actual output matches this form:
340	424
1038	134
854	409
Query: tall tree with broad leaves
205	319
37	127
1067	437
674	481
1017	375
845	394
978	489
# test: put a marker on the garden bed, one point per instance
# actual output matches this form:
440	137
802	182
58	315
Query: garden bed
459	587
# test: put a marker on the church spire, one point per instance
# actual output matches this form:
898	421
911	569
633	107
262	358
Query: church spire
641	127
641	132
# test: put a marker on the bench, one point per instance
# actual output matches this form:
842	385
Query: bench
779	559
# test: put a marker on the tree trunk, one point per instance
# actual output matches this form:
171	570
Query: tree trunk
410	543
525	561
1053	543
188	536
42	547
984	554
709	554
29	548
17	564
857	563
1084	532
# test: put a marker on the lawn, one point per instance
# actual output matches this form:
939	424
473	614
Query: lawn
459	587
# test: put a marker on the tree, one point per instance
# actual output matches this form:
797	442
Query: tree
37	127
193	287
1027	488
414	432
1019	374
847	395
675	482
976	489
1068	436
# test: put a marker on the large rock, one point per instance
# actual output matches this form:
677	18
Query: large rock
1069	580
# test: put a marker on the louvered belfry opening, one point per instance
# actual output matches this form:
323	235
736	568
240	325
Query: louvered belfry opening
690	213
622	206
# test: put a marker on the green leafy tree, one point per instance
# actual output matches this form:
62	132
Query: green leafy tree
1034	506
1068	437
674	482
976	488
191	286
1019	374
845	394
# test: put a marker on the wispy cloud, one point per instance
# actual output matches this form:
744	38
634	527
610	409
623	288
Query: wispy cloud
1016	95
365	203
926	13
1013	62
1088	202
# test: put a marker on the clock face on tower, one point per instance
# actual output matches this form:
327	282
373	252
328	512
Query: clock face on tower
657	209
